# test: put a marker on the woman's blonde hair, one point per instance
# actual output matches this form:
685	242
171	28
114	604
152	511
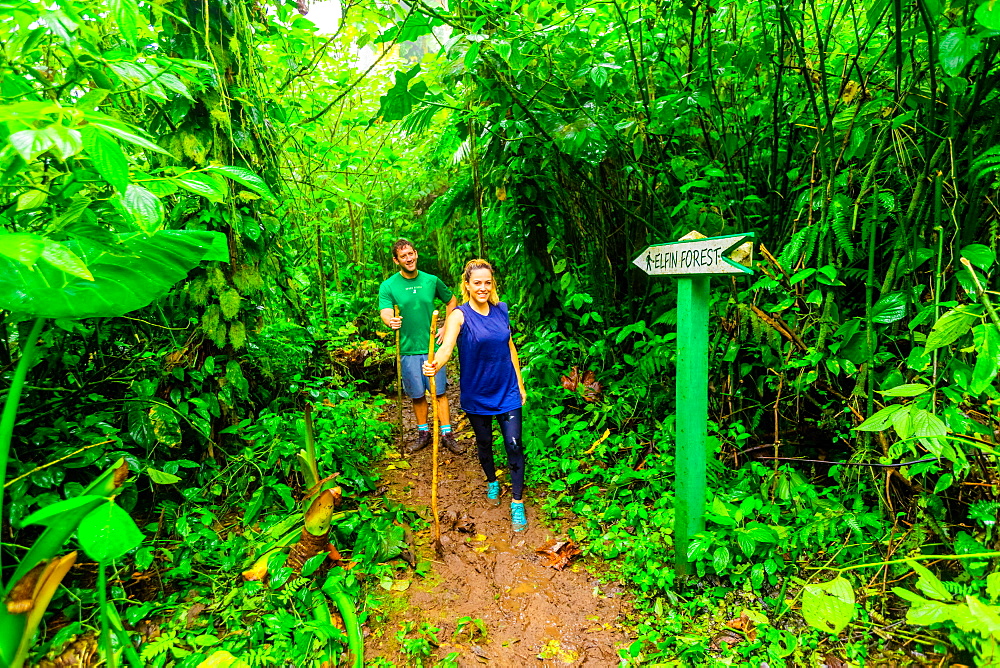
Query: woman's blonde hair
470	267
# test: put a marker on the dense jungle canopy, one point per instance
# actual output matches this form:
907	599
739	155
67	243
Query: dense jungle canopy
197	205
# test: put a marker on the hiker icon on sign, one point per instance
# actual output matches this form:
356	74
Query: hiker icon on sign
649	262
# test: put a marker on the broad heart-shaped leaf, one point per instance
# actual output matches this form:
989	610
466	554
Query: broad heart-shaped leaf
107	157
929	428
928	582
957	49
161	477
30	143
126	277
905	390
988	15
66	260
721	559
247	178
951	326
65	141
986	339
108	532
890	308
981	256
881	419
57	512
144	207
202	184
828	606
25	248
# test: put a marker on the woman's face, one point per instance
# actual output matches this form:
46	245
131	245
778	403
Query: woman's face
480	285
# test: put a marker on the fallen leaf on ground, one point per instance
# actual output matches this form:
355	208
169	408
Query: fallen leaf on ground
728	637
553	650
193	612
559	553
744	623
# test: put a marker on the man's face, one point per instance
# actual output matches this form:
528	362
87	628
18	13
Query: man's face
407	259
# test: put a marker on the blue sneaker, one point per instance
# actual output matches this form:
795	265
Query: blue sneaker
517	517
493	492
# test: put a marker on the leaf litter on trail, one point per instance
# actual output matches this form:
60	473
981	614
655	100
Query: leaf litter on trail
558	553
736	631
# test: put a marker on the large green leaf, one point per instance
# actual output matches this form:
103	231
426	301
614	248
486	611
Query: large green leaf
928	582
986	339
981	256
905	390
202	184
107	157
30	143
126	15
122	131
828	606
247	178
950	327
25	248
988	14
144	208
127	276
957	50
108	532
890	308
930	428
398	100
881	419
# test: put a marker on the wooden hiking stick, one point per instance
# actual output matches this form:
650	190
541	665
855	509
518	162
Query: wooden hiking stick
435	438
399	383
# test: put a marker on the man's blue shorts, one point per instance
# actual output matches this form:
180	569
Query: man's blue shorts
415	383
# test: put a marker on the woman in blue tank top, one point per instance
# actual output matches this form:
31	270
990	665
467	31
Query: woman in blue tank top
490	380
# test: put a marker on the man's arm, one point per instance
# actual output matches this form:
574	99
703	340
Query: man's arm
385	311
390	319
450	306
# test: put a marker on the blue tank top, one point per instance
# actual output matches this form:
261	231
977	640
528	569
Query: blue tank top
488	382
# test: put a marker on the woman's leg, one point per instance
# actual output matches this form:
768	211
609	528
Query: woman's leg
482	427
510	429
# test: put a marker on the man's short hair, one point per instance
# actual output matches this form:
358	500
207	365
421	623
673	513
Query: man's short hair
400	245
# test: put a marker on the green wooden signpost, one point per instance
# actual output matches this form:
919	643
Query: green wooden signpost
693	260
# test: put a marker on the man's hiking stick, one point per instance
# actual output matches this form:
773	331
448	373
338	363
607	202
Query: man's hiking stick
399	383
435	438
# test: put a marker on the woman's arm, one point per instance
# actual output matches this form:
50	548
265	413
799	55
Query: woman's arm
452	326
517	369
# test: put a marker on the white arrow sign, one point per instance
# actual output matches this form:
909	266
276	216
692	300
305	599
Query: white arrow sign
707	256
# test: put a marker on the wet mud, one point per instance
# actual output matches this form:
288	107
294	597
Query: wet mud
532	613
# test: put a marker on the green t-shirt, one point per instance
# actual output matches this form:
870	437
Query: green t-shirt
415	297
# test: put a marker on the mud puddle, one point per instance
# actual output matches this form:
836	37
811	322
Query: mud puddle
494	599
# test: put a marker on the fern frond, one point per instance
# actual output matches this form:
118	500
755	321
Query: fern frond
841	229
163	643
887	200
802	242
984	511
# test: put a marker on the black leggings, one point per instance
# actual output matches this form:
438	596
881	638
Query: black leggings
510	429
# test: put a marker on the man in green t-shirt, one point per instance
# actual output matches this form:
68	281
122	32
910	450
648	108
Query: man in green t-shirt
414	292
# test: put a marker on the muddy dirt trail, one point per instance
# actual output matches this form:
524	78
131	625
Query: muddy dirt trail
532	613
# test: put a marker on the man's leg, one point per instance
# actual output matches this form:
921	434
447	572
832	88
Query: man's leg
414	385
420	410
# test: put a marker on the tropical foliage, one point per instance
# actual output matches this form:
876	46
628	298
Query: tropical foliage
196	208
